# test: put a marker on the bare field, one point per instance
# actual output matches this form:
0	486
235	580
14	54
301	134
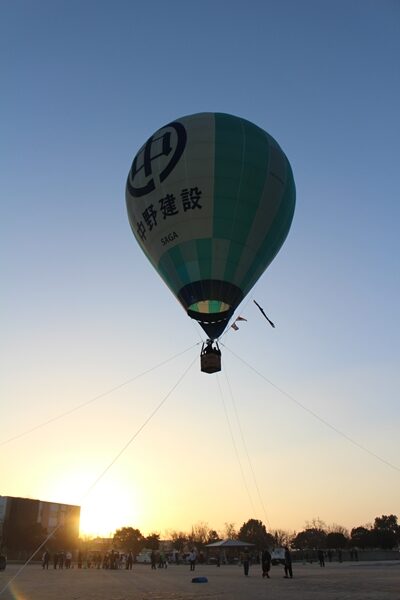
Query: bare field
356	581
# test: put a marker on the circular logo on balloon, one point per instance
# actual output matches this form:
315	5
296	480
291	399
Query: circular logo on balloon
156	159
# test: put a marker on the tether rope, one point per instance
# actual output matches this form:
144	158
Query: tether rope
314	414
98	397
107	468
246	450
235	447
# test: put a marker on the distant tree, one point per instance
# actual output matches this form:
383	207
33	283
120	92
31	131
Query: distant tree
282	537
128	539
179	539
199	534
316	523
212	537
152	541
254	532
362	537
310	539
229	532
335	528
336	539
387	531
387	522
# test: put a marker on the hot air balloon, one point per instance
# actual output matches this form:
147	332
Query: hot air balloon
210	200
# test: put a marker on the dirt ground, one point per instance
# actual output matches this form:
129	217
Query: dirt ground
355	581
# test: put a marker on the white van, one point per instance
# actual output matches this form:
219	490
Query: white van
144	556
278	556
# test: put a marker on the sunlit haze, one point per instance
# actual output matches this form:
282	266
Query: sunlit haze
303	420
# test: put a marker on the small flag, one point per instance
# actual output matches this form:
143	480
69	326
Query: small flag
234	326
241	319
269	320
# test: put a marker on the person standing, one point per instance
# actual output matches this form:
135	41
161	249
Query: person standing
68	560
153	559
129	561
246	561
266	562
288	564
321	558
192	560
45	559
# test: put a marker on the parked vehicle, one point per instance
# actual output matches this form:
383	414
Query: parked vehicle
278	556
144	557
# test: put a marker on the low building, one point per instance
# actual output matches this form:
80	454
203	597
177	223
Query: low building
25	523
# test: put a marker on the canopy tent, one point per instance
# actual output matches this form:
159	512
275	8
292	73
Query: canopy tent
223	544
228	551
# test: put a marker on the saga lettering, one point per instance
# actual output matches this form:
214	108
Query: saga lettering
169	238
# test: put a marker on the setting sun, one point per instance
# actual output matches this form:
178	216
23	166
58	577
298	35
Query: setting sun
112	503
106	509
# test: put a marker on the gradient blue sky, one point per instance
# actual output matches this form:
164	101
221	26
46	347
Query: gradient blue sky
83	86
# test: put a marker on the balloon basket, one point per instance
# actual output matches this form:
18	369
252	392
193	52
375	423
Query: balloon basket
210	358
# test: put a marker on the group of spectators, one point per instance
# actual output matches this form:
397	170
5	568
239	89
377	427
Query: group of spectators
60	559
160	559
118	560
110	560
266	561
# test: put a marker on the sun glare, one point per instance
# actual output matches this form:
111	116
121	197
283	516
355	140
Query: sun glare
105	510
110	505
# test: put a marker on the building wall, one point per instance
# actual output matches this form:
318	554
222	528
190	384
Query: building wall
23	521
51	515
3	512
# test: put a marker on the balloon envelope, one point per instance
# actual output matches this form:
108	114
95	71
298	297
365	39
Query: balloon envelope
210	200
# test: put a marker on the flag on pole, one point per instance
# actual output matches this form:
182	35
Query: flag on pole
262	311
234	324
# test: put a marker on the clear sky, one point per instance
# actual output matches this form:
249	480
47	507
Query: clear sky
84	84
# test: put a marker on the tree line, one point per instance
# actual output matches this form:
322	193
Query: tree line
384	533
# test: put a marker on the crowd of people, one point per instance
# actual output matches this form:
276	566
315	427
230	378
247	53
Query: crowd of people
60	559
120	560
160	560
109	560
